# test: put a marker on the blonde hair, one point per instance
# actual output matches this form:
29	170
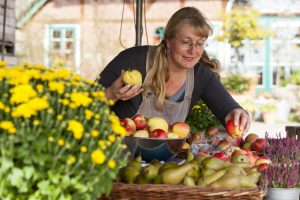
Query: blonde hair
158	75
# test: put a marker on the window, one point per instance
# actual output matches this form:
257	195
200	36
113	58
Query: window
62	46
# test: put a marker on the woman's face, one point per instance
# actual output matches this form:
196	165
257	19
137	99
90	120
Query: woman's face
185	48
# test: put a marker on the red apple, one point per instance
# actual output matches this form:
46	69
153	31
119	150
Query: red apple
262	160
247	145
140	121
129	125
223	144
222	156
203	153
158	133
232	130
262	167
251	137
211	131
181	129
258	145
239	151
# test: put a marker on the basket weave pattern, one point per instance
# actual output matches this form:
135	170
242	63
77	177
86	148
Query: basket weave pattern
122	191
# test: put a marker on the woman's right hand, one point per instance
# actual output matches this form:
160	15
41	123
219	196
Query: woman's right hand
117	91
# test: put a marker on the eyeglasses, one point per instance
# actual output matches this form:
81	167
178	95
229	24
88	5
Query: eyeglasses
189	44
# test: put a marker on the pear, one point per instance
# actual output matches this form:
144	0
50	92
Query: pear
166	166
151	171
228	181
157	179
175	175
236	169
136	163
129	174
189	181
140	179
206	180
240	158
249	181
194	173
132	77
207	172
214	163
190	156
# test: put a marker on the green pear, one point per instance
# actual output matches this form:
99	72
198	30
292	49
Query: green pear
190	156
206	172
206	180
214	163
150	171
189	181
236	169
175	175
140	179
240	158
136	163
248	181
129	174
228	181
157	179
166	166
194	173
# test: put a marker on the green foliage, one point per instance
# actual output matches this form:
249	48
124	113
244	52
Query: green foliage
201	118
58	137
293	79
236	83
240	24
268	107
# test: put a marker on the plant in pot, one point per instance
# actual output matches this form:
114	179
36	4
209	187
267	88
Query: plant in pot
268	112
282	176
58	137
199	119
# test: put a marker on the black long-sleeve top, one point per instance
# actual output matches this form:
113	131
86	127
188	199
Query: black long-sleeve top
206	85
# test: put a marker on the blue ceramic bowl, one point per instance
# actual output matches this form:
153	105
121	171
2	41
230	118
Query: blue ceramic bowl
153	148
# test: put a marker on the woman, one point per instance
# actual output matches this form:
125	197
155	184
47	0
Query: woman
176	73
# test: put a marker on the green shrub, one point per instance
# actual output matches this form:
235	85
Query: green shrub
236	83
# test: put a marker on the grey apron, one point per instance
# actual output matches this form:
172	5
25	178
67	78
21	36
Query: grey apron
172	111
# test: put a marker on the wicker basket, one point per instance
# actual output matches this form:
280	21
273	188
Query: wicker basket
122	191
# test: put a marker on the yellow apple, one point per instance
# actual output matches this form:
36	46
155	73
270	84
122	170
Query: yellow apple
141	133
157	123
181	129
172	135
133	77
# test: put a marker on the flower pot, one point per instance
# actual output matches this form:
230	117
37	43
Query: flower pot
282	194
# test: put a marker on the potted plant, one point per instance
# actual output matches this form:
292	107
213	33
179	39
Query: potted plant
282	176
58	137
268	112
200	119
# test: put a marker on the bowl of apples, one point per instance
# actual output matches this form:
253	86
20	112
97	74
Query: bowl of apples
154	138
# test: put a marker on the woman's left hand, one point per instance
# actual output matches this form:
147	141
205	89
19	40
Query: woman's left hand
239	115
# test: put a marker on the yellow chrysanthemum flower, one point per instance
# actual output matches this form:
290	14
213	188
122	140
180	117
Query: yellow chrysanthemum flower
50	138
94	133
80	99
57	86
88	114
22	93
97	116
102	144
111	164
98	157
71	160
76	128
23	110
60	142
83	149
118	129
38	103
59	117
6	125
36	122
112	138
40	88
